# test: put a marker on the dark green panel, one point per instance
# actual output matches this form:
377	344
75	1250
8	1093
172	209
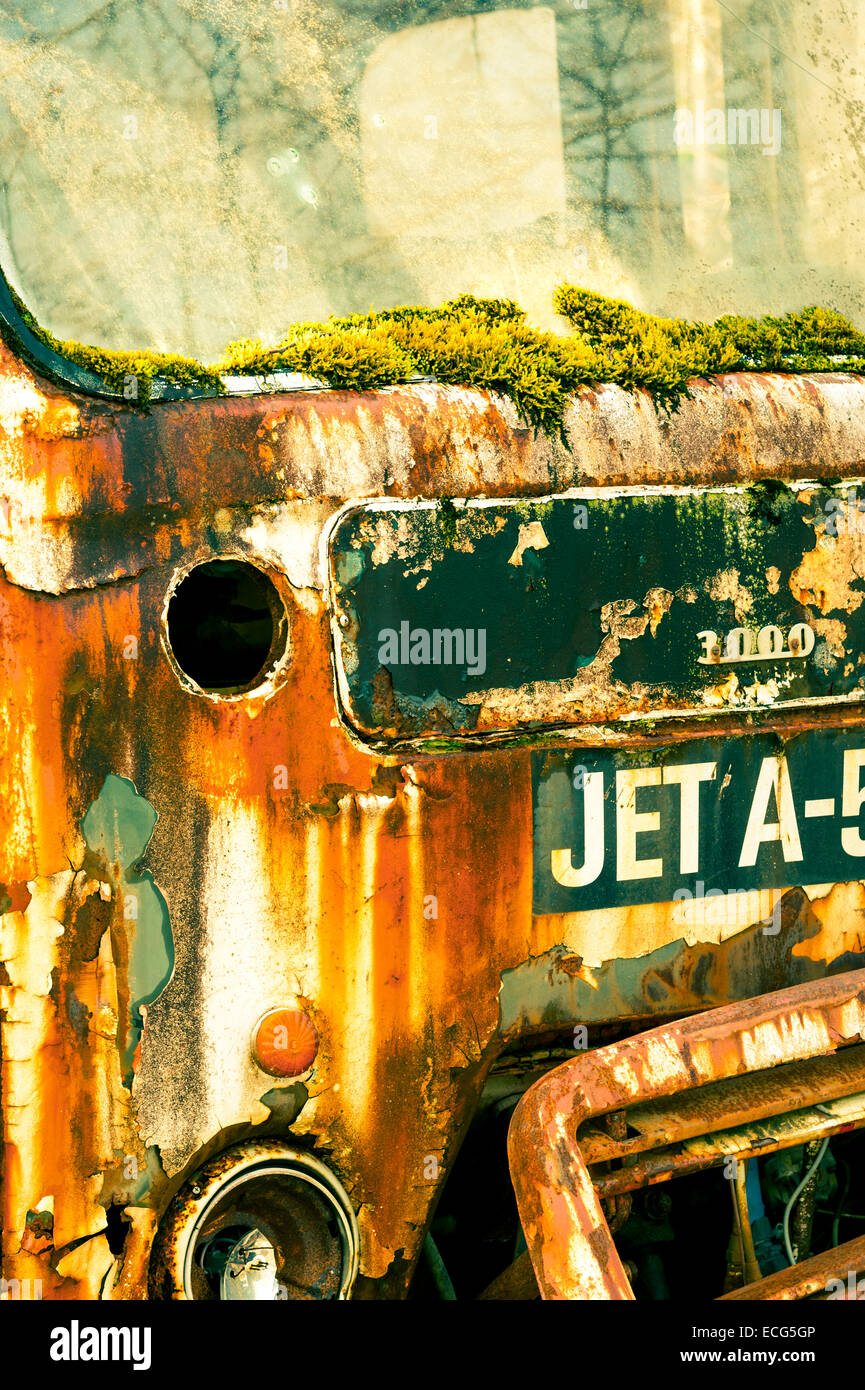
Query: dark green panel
715	803
642	570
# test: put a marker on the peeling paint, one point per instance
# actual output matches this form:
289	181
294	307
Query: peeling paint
576	631
117	828
725	586
386	891
531	537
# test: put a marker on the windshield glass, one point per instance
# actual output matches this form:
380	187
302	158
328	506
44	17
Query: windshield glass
184	172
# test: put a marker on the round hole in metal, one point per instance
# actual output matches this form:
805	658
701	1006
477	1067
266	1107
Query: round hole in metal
226	625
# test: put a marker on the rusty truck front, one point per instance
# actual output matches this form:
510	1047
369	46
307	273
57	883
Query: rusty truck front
362	751
433	755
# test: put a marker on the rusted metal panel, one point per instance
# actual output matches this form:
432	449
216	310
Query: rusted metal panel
572	1250
385	894
601	607
678	957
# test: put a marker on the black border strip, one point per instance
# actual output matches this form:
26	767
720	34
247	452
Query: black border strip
64	372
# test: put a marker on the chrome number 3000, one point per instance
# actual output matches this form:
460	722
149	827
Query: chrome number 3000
744	644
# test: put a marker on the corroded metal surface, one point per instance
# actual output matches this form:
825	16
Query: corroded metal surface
386	895
835	1269
572	1251
725	1104
755	1137
597	607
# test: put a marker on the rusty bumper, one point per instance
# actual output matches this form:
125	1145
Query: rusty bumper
571	1247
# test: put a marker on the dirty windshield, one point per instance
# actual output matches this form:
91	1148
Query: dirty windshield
184	174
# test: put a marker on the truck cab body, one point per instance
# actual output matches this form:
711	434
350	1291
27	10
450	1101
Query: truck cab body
379	771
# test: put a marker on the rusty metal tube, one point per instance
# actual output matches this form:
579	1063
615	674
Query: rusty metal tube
810	1278
749	1254
572	1250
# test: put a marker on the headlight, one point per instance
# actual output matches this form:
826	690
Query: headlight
260	1222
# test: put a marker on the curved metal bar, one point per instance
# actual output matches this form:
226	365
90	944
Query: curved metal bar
62	370
66	373
572	1251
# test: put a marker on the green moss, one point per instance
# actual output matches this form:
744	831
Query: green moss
486	343
447	516
130	374
767	500
662	354
530	509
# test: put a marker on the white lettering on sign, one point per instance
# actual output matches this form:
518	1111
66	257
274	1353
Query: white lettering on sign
822	806
630	823
774	778
689	776
772	785
852	796
593	823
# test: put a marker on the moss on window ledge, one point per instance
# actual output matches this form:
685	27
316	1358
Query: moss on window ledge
487	343
128	374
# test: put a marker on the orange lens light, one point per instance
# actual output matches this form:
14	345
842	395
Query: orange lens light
285	1042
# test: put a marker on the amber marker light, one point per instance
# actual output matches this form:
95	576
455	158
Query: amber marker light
284	1042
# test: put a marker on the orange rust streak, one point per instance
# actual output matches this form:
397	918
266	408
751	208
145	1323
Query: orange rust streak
406	1006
